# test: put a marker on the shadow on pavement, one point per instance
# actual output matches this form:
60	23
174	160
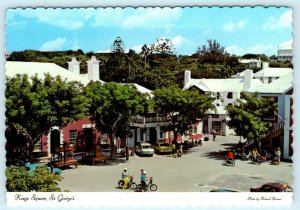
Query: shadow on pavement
217	155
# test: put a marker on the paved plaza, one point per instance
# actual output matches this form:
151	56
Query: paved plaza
200	169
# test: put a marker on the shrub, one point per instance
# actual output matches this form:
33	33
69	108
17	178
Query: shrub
41	180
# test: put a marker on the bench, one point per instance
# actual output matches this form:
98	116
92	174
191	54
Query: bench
93	159
67	163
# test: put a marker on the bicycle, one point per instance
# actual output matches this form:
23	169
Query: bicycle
150	185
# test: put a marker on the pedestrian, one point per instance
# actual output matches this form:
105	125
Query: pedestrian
214	134
181	150
278	154
174	152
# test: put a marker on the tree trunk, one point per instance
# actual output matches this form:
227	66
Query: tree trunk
30	151
112	146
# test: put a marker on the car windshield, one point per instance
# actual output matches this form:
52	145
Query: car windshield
164	144
146	147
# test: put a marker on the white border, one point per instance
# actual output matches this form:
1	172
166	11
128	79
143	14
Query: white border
295	4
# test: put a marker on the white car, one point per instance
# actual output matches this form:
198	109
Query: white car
144	149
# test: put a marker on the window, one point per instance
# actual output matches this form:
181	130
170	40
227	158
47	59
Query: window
38	146
72	136
230	104
270	80
218	95
194	129
104	138
215	116
229	95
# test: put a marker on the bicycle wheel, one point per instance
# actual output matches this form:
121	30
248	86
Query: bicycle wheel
121	183
232	163
224	162
133	185
153	187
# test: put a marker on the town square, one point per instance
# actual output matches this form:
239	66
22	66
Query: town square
149	100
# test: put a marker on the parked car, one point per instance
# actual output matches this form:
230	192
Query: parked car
162	147
32	166
144	149
220	189
272	187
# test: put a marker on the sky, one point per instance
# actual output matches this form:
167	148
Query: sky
240	30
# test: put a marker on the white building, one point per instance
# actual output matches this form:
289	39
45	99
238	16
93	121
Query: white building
285	52
226	92
268	82
251	63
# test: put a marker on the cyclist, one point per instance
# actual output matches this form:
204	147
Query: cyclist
125	178
230	155
144	179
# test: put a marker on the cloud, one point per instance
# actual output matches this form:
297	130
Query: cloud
261	48
53	45
70	19
234	49
178	40
104	51
255	49
136	48
284	21
231	26
286	44
141	17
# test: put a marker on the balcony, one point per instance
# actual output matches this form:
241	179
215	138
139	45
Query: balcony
147	120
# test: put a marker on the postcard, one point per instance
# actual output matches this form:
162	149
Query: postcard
126	106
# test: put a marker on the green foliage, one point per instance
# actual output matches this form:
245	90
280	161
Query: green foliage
118	46
156	66
17	179
113	106
184	107
34	106
20	180
247	116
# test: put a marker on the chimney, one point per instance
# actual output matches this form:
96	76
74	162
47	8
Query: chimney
248	79
187	77
93	69
265	65
73	66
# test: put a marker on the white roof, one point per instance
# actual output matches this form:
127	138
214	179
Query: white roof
220	85
140	88
273	72
240	74
249	60
40	69
279	85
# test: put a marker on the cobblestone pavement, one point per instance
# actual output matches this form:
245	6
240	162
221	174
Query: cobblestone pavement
200	169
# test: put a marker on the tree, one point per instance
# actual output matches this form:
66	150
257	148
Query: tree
212	47
33	106
118	46
163	46
247	116
18	179
112	108
184	107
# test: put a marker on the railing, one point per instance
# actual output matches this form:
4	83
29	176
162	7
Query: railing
142	120
276	127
